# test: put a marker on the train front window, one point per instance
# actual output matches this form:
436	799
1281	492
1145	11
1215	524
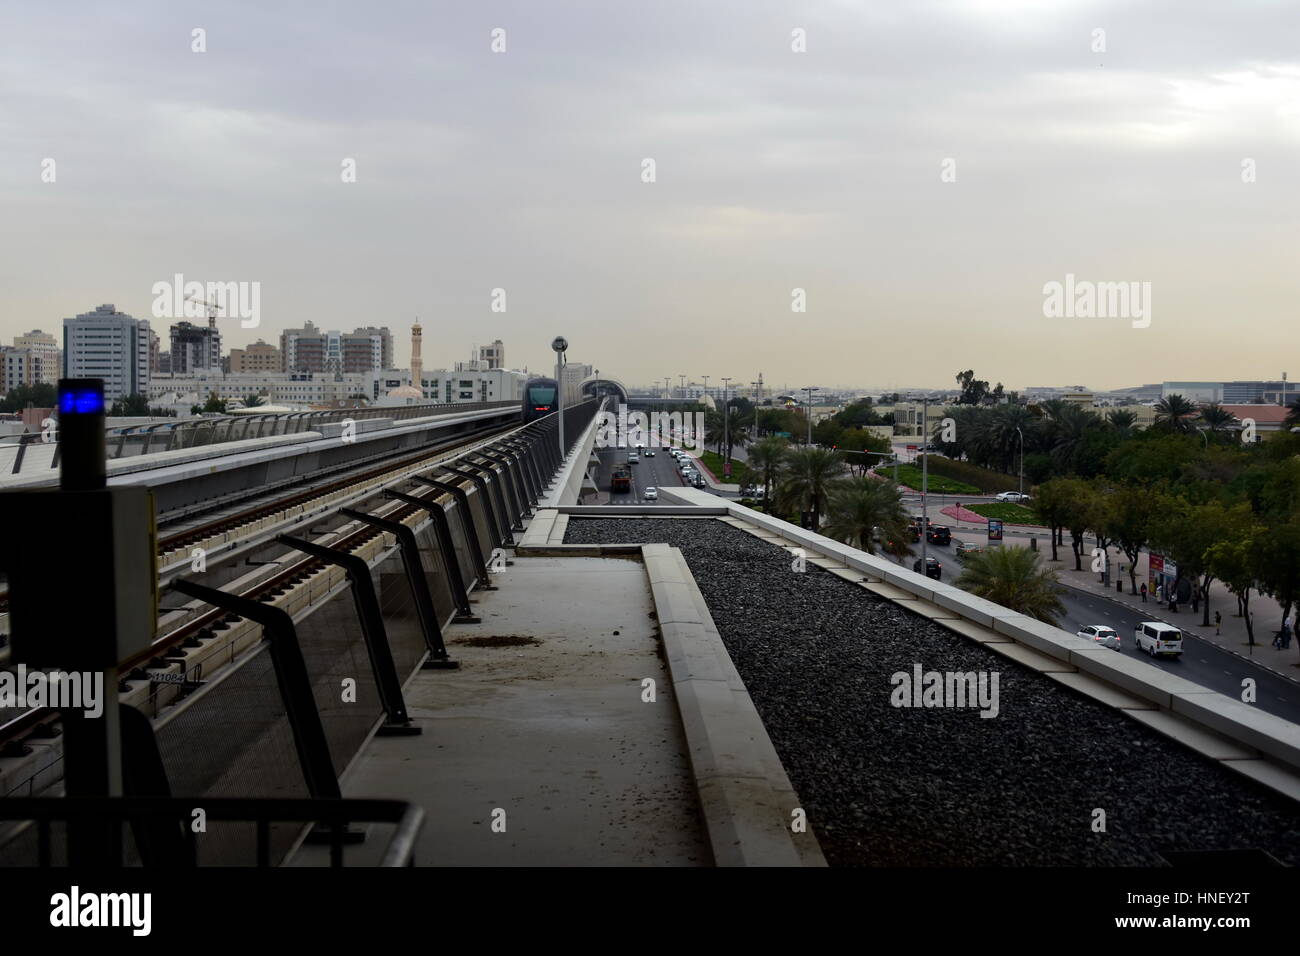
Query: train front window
542	396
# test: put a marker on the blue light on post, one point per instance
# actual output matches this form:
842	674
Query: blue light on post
81	401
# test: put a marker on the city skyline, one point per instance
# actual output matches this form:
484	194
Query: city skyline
1018	156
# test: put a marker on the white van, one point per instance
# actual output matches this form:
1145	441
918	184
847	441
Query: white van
1156	637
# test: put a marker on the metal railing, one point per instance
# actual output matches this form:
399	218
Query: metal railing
277	664
164	824
127	441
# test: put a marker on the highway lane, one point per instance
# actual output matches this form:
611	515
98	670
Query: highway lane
1201	662
657	471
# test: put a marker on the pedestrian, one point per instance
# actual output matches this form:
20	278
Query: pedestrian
1286	632
1218	623
1144	592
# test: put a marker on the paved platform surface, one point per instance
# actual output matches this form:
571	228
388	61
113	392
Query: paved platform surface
555	734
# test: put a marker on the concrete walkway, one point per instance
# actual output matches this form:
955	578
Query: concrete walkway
553	737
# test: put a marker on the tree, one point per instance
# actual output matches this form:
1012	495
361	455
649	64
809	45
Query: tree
1174	414
1121	421
1128	523
1078	507
252	400
865	511
1051	504
1235	562
38	396
130	406
1013	578
1152	457
1186	532
766	456
973	390
1278	562
1217	419
215	404
1293	414
809	475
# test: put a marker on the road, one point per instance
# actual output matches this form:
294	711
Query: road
658	471
1201	662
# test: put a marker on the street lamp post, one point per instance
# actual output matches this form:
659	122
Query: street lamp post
925	485
726	427
1022	460
559	344
810	389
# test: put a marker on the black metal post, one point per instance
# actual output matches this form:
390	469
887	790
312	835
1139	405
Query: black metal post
292	676
494	483
438	657
467	522
465	613
372	629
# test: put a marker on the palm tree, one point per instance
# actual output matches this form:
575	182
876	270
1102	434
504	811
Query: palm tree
736	434
1293	414
253	400
1174	414
1011	576
766	457
1121	420
1000	438
1068	431
810	473
1217	419
859	507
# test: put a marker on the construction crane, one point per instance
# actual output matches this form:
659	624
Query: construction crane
212	307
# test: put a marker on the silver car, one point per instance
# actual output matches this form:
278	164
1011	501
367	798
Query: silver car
1100	634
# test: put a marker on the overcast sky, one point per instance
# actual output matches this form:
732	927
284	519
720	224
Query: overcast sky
774	170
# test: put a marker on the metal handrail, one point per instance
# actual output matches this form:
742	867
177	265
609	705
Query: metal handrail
335	814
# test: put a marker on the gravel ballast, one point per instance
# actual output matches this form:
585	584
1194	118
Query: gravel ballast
896	786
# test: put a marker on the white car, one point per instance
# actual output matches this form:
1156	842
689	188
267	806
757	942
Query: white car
1157	637
651	494
1100	634
1014	496
633	458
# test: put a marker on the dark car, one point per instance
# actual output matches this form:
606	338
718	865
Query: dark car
938	534
933	569
699	482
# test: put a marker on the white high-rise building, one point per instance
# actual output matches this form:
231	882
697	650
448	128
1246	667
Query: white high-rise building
109	345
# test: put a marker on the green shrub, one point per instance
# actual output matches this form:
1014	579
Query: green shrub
982	479
911	476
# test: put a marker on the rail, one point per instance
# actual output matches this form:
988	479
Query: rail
128	441
175	814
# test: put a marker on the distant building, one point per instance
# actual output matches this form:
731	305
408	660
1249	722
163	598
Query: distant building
1280	392
258	357
18	367
47	360
474	385
1269	417
108	345
310	349
494	355
195	348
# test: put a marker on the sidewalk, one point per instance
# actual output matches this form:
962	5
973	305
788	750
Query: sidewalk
709	477
1267	612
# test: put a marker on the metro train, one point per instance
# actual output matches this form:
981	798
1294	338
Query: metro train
541	398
